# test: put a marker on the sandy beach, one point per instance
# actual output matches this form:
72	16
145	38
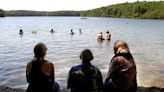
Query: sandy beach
140	89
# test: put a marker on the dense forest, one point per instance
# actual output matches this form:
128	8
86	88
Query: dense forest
2	13
144	10
41	13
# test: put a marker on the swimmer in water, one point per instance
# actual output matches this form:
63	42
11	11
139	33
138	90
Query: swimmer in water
108	35
21	32
72	33
100	36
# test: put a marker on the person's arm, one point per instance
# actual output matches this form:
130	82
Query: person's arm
72	79
52	73
100	81
114	68
28	70
69	82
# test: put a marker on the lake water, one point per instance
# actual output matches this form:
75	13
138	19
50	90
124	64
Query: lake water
145	39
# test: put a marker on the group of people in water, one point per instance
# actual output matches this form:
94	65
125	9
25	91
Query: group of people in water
34	32
101	38
72	32
85	77
51	31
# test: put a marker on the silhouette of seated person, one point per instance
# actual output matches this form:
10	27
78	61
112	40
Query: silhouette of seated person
121	75
85	77
40	72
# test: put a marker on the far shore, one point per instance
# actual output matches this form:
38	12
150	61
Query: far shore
140	89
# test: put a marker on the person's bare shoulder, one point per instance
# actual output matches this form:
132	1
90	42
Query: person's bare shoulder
29	66
49	64
47	68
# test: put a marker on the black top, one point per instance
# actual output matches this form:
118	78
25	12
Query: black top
38	81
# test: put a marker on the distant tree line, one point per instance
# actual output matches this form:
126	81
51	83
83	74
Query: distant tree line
2	13
41	13
144	10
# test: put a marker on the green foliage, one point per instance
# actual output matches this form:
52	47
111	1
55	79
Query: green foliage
147	10
2	13
41	13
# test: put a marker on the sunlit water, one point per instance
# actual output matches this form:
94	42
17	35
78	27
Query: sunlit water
145	38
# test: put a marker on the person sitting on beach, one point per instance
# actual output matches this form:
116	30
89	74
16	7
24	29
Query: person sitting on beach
40	72
21	32
72	33
122	72
108	35
100	36
85	77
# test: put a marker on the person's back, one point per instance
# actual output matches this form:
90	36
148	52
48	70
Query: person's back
40	72
38	79
122	71
100	36
125	76
85	78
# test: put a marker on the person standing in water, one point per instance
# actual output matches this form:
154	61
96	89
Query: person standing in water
100	36
108	35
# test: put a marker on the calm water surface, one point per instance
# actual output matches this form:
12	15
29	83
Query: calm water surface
145	38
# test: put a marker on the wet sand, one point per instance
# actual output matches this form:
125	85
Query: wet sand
140	89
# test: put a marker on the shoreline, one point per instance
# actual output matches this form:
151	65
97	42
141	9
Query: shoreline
140	89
